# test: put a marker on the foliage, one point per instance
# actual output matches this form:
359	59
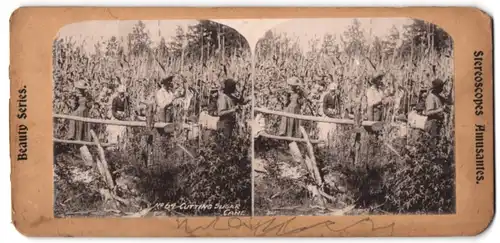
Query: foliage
420	178
70	194
204	54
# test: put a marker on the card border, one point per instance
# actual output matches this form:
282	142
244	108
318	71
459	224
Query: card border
33	29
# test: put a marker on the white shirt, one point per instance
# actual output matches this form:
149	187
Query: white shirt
164	97
187	99
373	96
399	96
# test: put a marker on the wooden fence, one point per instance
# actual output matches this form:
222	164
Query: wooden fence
317	187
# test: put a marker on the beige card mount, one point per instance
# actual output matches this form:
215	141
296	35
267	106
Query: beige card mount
251	122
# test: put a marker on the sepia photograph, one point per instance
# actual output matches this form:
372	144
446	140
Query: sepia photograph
151	118
348	117
251	122
355	116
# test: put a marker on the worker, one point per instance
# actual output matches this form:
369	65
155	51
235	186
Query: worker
330	108
295	98
79	130
164	99
119	111
375	97
120	106
435	110
227	107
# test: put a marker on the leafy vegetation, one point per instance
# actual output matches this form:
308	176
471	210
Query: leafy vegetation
396	173
417	178
204	53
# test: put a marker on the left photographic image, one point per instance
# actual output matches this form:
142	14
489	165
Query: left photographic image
151	118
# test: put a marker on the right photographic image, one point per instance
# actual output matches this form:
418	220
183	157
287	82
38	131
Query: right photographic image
354	117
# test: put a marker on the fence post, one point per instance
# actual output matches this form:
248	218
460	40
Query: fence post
102	160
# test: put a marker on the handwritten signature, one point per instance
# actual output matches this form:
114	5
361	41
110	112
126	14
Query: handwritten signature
271	226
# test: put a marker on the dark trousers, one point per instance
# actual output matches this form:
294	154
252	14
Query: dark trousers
375	113
433	128
166	114
225	127
79	130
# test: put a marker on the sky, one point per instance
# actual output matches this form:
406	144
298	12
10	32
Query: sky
89	32
306	29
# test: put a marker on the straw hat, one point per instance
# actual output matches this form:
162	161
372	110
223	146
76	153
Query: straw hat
81	84
332	86
293	81
121	89
214	88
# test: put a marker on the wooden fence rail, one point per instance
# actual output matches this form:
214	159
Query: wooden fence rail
317	118
118	122
57	140
292	139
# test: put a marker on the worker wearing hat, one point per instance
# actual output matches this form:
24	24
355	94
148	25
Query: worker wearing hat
435	108
79	130
227	107
375	97
295	98
119	111
120	104
164	99
330	107
82	95
331	101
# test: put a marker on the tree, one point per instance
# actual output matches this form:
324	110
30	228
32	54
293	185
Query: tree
176	44
376	50
265	46
328	47
354	39
207	38
112	47
421	36
98	49
392	42
162	48
161	51
139	40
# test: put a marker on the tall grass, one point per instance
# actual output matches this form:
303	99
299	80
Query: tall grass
218	173
418	178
